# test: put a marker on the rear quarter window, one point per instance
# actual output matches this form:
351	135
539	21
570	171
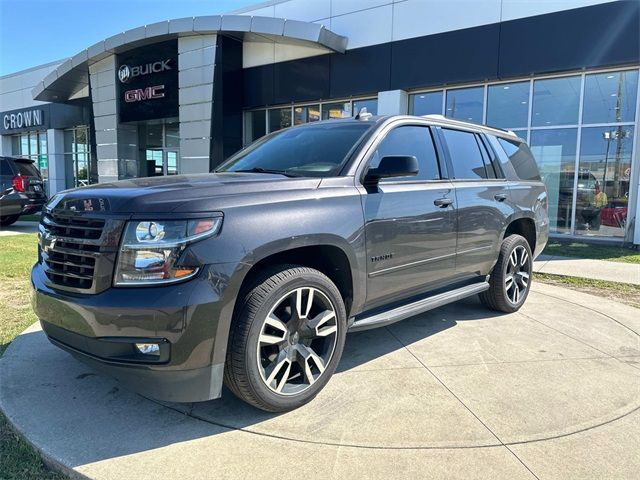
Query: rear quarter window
521	158
27	169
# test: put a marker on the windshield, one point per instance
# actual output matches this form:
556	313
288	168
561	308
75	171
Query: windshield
311	151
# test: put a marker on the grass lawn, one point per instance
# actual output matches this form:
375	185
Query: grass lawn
17	254
598	252
620	292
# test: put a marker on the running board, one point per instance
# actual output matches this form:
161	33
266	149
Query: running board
420	306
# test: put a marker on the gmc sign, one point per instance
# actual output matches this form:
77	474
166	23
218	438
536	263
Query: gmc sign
139	94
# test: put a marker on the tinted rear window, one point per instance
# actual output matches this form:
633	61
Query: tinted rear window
27	169
312	150
521	158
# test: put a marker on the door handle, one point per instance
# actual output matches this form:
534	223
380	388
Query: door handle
501	197
442	202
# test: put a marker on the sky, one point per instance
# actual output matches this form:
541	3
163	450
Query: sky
34	32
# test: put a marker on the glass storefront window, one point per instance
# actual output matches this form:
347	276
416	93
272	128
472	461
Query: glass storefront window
306	114
465	104
556	101
370	104
508	105
425	103
255	125
33	145
555	153
76	148
610	97
336	110
603	180
279	118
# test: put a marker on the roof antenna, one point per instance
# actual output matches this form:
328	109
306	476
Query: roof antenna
363	114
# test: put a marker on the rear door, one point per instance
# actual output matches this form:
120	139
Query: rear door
483	202
409	229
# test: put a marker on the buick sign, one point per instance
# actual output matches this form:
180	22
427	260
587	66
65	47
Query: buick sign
126	73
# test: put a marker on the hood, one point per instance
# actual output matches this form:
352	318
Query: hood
179	193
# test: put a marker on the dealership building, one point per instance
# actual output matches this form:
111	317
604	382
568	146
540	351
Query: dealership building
182	95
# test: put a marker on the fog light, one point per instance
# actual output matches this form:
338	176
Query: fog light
148	348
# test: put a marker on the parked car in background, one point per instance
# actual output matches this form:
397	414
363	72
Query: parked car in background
21	189
253	274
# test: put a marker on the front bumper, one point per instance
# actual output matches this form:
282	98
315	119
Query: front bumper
101	330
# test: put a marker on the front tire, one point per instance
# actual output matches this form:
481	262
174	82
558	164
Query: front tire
286	339
510	279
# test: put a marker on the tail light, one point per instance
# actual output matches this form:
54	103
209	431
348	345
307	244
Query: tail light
18	183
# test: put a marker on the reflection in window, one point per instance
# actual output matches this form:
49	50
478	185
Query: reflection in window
336	110
555	153
425	103
556	101
370	104
508	105
306	114
610	97
465	104
279	118
603	181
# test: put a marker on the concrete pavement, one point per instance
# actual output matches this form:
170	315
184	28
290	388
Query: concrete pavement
19	228
588	268
552	391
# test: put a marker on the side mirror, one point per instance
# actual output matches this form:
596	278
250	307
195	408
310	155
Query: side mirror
393	166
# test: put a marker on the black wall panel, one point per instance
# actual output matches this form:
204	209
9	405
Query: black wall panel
601	35
459	56
598	36
301	80
361	71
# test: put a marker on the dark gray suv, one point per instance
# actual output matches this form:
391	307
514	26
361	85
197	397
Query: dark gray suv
253	274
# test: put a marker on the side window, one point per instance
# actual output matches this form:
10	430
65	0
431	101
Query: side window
521	158
491	172
5	168
410	140
466	157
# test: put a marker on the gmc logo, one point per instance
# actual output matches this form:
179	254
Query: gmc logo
140	94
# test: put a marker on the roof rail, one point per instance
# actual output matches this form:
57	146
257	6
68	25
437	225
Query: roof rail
442	118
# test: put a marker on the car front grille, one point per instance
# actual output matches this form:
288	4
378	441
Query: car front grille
70	249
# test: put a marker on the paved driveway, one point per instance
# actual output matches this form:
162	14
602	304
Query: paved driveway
550	392
19	228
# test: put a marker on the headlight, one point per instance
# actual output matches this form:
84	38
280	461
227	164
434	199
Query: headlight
151	248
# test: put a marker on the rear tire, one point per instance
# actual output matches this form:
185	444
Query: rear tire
286	338
8	220
510	279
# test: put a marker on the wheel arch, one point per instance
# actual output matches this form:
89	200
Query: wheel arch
524	226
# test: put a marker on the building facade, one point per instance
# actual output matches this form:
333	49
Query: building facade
181	96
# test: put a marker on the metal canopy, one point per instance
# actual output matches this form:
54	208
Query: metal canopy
72	76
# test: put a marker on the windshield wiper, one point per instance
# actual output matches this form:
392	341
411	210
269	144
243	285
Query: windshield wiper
266	170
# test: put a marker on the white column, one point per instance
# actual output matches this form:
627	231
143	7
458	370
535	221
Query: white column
55	156
196	59
393	102
5	146
116	144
